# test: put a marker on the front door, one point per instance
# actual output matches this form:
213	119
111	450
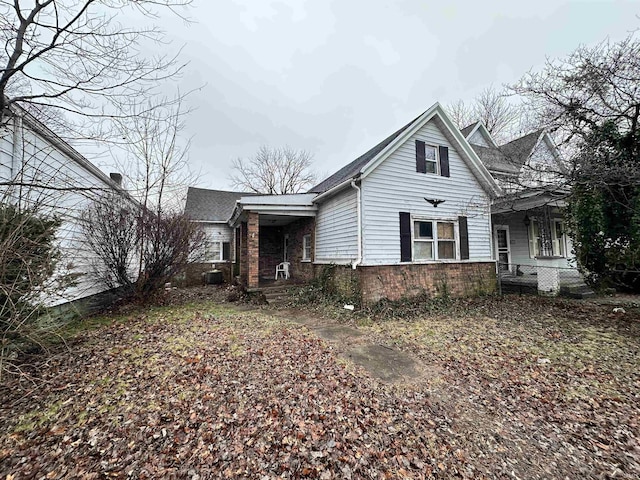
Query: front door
503	251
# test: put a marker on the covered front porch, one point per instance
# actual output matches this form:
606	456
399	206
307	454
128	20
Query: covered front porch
532	246
274	230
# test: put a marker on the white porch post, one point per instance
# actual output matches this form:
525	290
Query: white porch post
548	272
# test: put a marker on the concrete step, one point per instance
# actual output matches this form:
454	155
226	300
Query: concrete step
577	291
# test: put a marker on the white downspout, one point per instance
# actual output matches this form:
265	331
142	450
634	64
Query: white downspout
358	260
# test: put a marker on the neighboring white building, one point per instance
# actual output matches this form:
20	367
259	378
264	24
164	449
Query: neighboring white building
527	219
38	167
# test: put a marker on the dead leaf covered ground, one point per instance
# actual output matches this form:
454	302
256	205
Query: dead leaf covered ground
514	388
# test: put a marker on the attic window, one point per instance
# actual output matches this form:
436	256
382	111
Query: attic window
426	158
431	158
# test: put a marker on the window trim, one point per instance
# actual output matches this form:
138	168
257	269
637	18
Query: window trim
436	160
210	259
306	252
561	241
435	240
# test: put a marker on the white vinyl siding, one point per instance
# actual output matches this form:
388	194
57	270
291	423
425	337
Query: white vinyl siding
395	186
35	161
215	235
337	228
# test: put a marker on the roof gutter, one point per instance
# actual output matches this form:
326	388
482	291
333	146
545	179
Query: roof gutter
336	189
358	260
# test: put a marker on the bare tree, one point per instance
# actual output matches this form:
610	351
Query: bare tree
274	171
591	100
140	245
575	95
493	109
155	159
77	58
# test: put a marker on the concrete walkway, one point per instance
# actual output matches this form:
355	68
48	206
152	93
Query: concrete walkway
381	361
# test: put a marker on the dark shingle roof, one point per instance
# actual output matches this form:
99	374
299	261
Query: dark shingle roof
211	205
354	167
468	129
519	150
495	160
510	157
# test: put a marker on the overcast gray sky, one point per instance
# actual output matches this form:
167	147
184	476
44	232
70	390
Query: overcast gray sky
336	77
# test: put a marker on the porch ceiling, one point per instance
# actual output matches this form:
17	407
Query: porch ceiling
277	220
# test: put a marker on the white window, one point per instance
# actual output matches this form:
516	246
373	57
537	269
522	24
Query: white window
557	238
306	248
216	251
431	157
558	243
535	240
434	240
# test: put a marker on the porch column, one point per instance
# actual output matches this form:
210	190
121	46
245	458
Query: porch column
253	249
548	273
242	253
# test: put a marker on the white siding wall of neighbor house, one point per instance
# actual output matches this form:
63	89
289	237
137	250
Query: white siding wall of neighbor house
395	186
519	243
38	162
337	229
540	168
478	139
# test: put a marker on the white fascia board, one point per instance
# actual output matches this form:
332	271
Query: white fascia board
281	209
210	221
481	172
336	189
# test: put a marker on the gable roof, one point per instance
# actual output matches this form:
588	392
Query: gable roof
519	150
351	169
367	162
469	129
211	205
495	160
478	126
510	157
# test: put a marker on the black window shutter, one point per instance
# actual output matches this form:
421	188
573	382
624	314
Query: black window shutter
444	160
405	237
226	250
464	238
421	159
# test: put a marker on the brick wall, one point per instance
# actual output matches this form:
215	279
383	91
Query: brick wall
373	283
271	250
244	264
300	271
193	274
253	249
455	279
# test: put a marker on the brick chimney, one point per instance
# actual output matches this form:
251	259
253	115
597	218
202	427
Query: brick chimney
116	178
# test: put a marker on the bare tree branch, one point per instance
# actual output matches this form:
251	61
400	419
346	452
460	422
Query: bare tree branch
274	171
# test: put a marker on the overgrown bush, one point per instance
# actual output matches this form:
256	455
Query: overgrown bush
408	307
604	209
137	250
325	289
28	258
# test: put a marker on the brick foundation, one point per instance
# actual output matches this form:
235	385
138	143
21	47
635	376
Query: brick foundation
193	274
373	283
397	281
